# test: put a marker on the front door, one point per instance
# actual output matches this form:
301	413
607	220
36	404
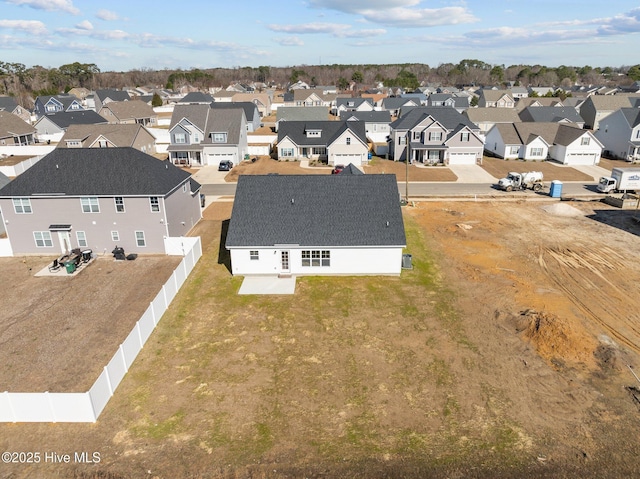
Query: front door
65	241
284	262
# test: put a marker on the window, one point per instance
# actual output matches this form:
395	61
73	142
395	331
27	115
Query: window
253	255
155	204
433	155
316	258
90	205
314	133
585	141
515	150
22	205
536	151
416	135
348	140
115	236
402	140
179	138
286	152
319	150
140	242
219	137
103	144
435	136
464	136
82	239
184	188
119	204
196	138
43	239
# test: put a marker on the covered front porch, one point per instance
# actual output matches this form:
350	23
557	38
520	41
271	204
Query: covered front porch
427	154
185	157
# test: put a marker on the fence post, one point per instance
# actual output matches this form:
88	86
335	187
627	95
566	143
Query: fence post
139	335
124	359
93	406
153	314
108	376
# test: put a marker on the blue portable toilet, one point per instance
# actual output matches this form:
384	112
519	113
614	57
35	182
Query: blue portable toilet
556	189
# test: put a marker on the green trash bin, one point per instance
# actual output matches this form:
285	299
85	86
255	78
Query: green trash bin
70	266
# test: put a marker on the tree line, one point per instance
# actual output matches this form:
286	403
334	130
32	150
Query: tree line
27	83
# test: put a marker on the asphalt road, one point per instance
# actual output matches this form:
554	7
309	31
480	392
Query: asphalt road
448	190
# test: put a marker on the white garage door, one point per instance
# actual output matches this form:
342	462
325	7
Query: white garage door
581	159
346	159
215	158
462	158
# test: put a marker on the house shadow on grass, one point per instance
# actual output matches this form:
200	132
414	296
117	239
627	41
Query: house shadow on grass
224	256
626	220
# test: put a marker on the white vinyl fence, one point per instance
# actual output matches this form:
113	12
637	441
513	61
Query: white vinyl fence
86	407
19	168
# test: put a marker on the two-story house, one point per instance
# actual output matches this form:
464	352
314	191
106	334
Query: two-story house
99	98
98	198
108	135
336	142
596	107
436	135
131	111
619	134
353	104
495	99
377	127
251	112
52	127
48	105
201	135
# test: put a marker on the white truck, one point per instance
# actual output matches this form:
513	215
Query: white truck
521	181
621	179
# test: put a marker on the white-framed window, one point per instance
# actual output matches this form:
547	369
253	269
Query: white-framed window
140	241
319	150
90	205
219	137
416	135
514	150
286	152
435	136
464	136
314	133
115	236
585	141
536	151
155	204
43	239
179	138
402	140
119	200
316	258
254	255
82	239
433	155
348	139
184	188
22	206
103	144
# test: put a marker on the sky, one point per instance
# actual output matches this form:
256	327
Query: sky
141	34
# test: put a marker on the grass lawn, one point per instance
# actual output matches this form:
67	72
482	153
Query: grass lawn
347	369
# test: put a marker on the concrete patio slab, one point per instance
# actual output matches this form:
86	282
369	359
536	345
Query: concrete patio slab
268	285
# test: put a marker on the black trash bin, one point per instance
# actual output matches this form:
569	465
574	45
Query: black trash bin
86	255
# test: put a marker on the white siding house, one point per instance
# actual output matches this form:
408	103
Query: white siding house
287	225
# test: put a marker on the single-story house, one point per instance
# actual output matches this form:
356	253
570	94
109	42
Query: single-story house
98	198
562	142
292	225
336	142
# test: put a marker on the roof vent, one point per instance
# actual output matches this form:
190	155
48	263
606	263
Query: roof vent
166	167
292	201
56	167
387	224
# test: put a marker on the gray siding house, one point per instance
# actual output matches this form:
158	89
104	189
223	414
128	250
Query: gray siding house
98	198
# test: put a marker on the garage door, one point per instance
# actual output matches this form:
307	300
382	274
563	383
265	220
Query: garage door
462	158
346	159
581	159
215	158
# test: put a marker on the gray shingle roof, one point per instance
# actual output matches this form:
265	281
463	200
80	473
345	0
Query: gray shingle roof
113	95
196	97
250	109
445	115
632	115
79	117
97	172
550	114
367	116
302	113
296	131
8	103
316	210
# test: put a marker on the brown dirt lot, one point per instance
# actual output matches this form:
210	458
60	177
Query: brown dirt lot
499	168
502	353
57	333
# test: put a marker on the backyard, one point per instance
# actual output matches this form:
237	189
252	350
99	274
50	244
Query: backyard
504	352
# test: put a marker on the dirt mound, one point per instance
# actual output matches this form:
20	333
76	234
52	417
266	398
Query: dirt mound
562	209
554	338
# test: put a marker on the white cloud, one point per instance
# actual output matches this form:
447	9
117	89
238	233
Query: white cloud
34	27
289	41
48	5
85	25
107	15
334	29
400	13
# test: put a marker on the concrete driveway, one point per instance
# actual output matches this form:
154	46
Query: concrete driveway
209	175
471	174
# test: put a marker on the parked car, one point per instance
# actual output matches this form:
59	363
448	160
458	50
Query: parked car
225	165
337	169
